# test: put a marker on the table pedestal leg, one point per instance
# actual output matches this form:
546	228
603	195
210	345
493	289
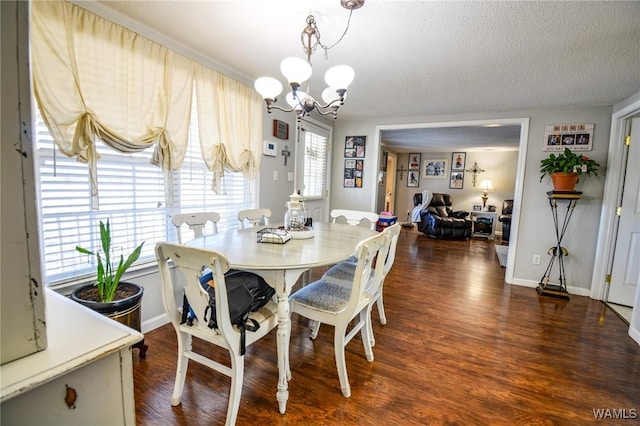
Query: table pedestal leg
284	327
283	289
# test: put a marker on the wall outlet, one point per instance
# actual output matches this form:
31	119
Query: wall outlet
536	259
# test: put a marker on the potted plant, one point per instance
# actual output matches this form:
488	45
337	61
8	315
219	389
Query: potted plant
566	168
108	295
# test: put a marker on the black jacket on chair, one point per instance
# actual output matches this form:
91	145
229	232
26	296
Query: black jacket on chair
439	220
505	218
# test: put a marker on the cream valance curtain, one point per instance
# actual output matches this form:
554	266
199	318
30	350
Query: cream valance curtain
96	80
230	124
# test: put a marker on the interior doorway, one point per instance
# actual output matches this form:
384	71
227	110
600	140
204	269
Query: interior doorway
607	238
522	123
624	272
390	183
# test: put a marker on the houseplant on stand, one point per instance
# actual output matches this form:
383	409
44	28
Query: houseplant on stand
108	295
566	168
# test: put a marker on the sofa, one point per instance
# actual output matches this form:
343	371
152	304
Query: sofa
439	220
505	219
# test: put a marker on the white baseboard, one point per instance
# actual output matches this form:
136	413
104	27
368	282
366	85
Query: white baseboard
635	334
524	283
155	322
578	291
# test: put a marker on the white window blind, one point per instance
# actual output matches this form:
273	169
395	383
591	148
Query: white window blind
315	163
131	198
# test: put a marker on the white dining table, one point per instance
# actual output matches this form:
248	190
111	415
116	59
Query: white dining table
281	265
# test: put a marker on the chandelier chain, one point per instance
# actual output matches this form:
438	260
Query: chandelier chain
298	72
313	30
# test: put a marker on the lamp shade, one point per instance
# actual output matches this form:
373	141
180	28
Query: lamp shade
268	87
486	185
340	76
330	94
295	70
296	102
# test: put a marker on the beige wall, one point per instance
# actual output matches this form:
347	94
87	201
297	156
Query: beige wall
500	168
536	233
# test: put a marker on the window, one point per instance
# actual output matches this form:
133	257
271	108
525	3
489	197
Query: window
315	160
131	198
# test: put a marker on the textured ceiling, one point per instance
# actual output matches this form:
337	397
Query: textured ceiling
418	58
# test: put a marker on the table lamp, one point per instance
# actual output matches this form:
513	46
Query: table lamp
485	187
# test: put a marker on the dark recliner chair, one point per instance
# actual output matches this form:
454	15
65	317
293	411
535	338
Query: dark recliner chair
439	220
505	219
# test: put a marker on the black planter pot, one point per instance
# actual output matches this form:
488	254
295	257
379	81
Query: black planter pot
113	307
125	311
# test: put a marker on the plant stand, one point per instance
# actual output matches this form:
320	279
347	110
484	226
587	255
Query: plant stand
558	252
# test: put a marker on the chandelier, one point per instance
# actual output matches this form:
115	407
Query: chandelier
298	71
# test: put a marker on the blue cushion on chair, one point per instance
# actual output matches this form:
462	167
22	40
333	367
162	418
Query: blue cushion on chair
323	295
341	274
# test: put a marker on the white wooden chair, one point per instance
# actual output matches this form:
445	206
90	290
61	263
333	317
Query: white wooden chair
355	217
196	221
342	274
338	305
253	217
190	261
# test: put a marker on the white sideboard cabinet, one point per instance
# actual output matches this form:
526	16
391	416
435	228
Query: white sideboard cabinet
85	376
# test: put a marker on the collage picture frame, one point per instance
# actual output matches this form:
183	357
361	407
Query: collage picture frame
353	173
354	151
354	146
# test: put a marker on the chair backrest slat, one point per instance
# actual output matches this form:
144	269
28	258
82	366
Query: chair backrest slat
196	222
253	217
190	261
394	235
365	278
355	217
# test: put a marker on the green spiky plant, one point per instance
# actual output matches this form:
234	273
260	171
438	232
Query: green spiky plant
108	274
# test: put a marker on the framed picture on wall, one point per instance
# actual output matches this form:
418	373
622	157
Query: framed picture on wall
458	159
280	129
456	180
413	178
353	170
414	161
434	168
354	146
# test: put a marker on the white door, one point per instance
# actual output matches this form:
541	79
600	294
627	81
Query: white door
389	194
625	272
312	162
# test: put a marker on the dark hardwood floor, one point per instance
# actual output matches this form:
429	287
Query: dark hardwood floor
460	347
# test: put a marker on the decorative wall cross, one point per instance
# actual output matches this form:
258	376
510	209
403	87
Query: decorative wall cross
401	170
285	153
475	171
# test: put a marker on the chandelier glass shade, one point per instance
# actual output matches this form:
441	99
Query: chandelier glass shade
337	78
297	71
